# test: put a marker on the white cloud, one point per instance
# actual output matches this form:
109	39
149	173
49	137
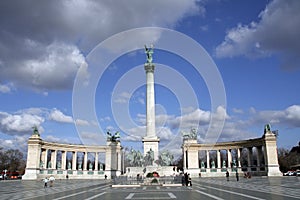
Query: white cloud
45	52
59	62
58	116
81	122
123	98
277	31
17	142
105	119
289	117
19	123
238	111
89	136
6	88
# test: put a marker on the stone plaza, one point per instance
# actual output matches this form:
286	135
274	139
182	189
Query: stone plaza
258	188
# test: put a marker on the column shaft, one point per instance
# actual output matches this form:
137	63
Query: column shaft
74	160
207	159
150	101
239	156
63	159
85	161
46	159
96	161
229	158
249	157
219	158
43	157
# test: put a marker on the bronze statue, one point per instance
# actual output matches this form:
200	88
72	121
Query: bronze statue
149	52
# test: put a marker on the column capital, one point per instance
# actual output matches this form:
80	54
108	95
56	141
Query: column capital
149	67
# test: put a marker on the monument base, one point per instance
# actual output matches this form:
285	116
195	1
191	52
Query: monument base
274	171
143	171
151	143
31	174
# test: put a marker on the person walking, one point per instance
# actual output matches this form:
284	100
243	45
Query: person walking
186	179
227	175
45	182
189	180
237	175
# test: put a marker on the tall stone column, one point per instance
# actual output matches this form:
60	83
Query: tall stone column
150	140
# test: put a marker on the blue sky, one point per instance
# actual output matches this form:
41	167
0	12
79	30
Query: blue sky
75	70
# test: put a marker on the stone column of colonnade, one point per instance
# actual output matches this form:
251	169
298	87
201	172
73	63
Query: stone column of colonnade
219	158
96	161
207	159
63	159
74	160
259	154
85	160
249	158
239	157
229	158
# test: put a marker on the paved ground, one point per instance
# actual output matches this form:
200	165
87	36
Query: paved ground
203	188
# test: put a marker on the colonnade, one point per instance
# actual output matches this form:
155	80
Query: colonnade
261	150
233	158
72	163
76	161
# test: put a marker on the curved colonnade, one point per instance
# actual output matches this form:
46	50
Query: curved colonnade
77	161
261	157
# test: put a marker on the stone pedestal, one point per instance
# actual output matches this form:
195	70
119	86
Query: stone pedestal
33	158
151	143
271	154
113	159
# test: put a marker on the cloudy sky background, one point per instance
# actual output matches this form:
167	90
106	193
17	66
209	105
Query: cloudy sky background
43	44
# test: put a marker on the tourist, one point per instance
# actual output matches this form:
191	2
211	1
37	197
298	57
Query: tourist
227	175
182	179
105	176
189	180
186	179
45	182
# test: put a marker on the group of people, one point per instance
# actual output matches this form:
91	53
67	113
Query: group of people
51	180
186	179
